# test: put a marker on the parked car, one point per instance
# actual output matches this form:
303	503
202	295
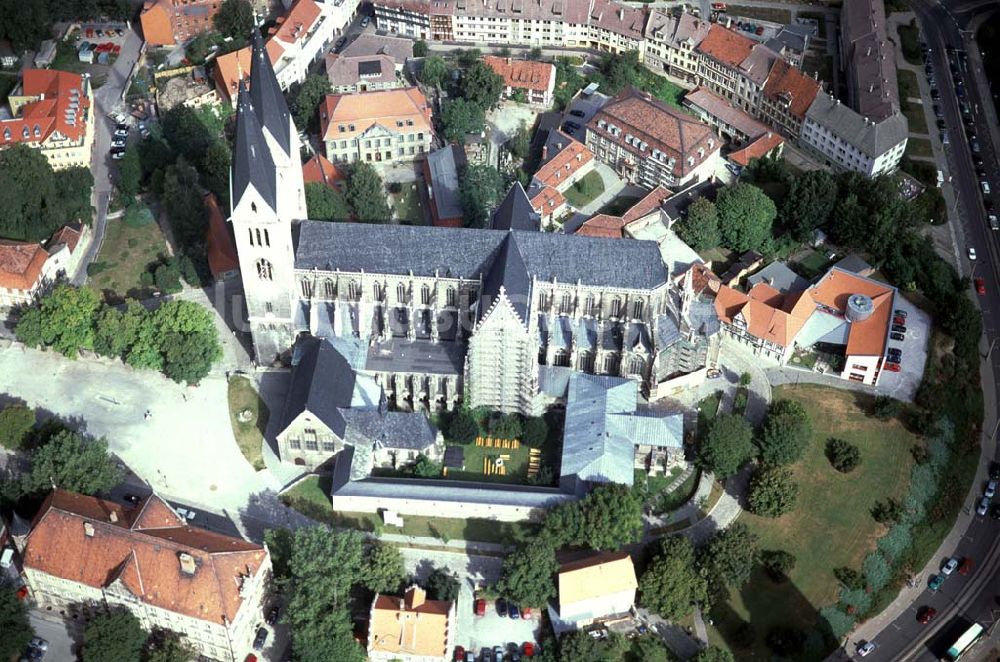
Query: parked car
272	615
892	367
974	145
926	614
899	328
501	608
528	649
340	43
526	613
941	125
865	648
512	611
980	286
260	639
899	312
935	582
459	654
117	156
899	320
132	498
119	32
497	654
480	607
470	656
991	489
577	113
972	253
895	355
944	139
897	336
935	94
39	643
984	505
949	566
965	567
365	21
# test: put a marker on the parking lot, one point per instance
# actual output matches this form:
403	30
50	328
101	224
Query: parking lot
903	384
581	110
485	632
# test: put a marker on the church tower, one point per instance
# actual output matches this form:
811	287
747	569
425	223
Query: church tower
268	196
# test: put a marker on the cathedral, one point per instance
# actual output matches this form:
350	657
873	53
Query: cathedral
497	317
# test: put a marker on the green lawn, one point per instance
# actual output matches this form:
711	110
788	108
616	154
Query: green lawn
516	465
311	498
919	147
708	408
814	263
249	433
583	192
679	496
831	525
126	253
915	116
406	206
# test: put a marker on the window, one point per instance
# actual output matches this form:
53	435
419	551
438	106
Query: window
312	444
859	367
566	306
377	291
450	297
637	309
307	288
589	305
264	270
267	239
250	232
295	444
268	307
616	307
329	289
354	290
329	447
401	293
425	295
259	243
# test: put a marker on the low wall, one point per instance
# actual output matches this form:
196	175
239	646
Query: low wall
435	508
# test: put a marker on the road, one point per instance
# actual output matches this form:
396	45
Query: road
108	100
962	599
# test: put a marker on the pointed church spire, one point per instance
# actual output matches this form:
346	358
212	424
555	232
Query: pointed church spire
268	100
252	162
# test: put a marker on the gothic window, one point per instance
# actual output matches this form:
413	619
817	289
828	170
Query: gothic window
616	307
589	309
451	298
328	288
561	358
307	288
567	303
425	295
250	232
635	366
609	364
258	237
267	239
264	270
637	309
377	291
253	208
401	293
268	307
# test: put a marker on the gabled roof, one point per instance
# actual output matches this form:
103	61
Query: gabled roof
399	49
596	576
94	542
769	315
867	337
21	264
319	170
758	149
523	74
252	162
515	212
564	164
605	225
220	245
593	451
322	384
229	70
410	626
296	24
442	167
790	86
268	99
507	276
364	110
60	106
726	46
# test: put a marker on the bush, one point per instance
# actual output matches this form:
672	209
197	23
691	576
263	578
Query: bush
844	456
95	268
772	492
920	454
876	571
168	279
463	428
849	577
535	432
146	279
889	511
777	564
426	468
839	622
885	407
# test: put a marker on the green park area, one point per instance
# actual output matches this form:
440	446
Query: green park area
248	415
131	244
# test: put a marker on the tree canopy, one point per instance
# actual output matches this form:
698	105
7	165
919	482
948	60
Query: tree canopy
460	117
786	434
72	461
480	190
730	556
745	216
434	71
37	200
325	203
463	427
579	645
113	637
366	194
382	571
527	574
809	203
700	226
728	445
235	19
14	624
443	585
612	516
307	98
167	646
713	654
671	584
16	422
773	492
481	85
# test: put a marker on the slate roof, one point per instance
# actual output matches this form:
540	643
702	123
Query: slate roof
515	212
268	99
442	168
322	383
389	429
592	449
252	162
470	253
509	272
873	139
780	277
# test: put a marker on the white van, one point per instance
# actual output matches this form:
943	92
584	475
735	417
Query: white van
985	186
7	557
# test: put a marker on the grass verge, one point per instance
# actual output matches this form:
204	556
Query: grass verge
584	191
245	401
919	147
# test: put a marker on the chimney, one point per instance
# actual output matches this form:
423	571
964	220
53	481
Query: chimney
113	516
88	529
414	597
621	14
188	566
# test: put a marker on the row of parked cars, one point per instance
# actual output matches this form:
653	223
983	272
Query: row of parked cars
509	653
894	355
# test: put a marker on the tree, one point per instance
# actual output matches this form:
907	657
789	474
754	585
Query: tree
64	321
307	99
29	208
188	357
382	571
325	203
700	226
73	186
563	525
787	431
777	564
728	446
520	144
16	423
460	117
463	428
889	511
713	654
650	648
113	637
183	201
536	432
482	86
671	585
434	71
14	624
535	54
25	23
579	645
885	407
745	216
419	48
506	426
526	574
235	19
619	71
130	173
844	456
73	462
612	516
366	194
279	543
167	278
773	492
809	203
167	646
425	467
730	556
850	578
187	133
443	585
214	169
480	190
785	641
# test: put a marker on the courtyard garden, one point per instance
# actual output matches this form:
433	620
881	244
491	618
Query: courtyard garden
131	244
248	415
583	192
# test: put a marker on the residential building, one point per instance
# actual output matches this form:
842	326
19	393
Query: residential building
300	37
441	169
564	162
847	141
368	44
791	43
868	59
788	93
388	126
51	111
28	268
614	27
170	22
594	589
229	71
85	555
651	144
361	73
767	145
616	227
671	43
535	80
319	170
731	122
411	628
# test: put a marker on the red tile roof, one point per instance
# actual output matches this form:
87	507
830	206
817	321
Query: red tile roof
547	200
20	264
66	235
605	225
61	106
319	170
867	337
564	164
523	74
230	69
769	315
726	46
221	248
294	25
95	542
757	149
788	84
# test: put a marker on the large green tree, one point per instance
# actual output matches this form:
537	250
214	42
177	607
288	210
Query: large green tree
460	117
167	646
579	645
188	132
809	203
786	434
443	585
745	216
612	516
463	427
713	654
72	461
30	208
235	19
188	339
307	99
324	566
382	571
481	85
619	71
728	445
183	200
700	226
13	624
366	194
130	173
480	190
563	525
527	574
325	203
434	71
113	637
730	556
64	320
214	169
279	543
16	422
671	584
773	492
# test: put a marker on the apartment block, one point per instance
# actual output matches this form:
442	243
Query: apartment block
388	126
845	140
